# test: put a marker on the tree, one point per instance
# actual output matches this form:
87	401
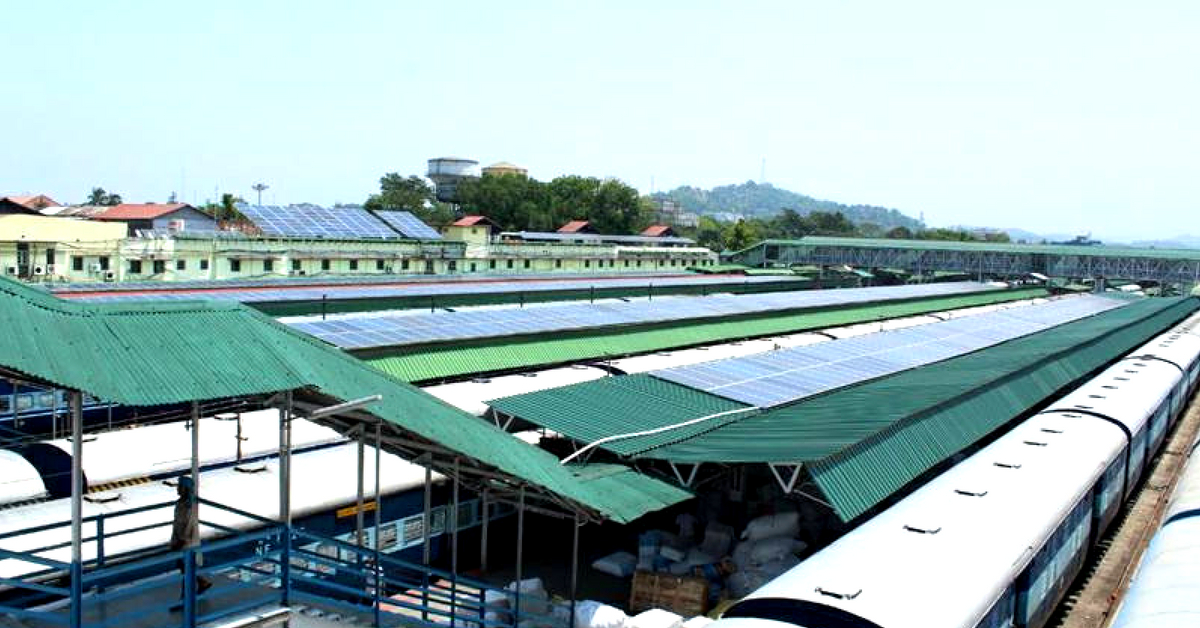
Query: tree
900	233
99	197
411	194
739	236
229	210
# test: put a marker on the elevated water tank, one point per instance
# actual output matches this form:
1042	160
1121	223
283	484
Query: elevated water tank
448	172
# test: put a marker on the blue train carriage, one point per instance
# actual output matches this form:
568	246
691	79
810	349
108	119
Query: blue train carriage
998	539
33	412
1165	591
324	503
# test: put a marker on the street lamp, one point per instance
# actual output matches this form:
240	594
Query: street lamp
259	187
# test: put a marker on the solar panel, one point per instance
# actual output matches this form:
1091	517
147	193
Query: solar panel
408	225
415	327
311	221
788	375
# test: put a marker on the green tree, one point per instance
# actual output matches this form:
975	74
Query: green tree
100	197
411	194
739	235
900	233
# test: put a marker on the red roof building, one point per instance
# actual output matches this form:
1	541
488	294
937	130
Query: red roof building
658	231
473	221
577	226
139	211
26	204
166	216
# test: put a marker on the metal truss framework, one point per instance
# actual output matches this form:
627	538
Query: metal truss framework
981	262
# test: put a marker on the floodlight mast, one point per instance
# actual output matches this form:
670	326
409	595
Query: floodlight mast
259	187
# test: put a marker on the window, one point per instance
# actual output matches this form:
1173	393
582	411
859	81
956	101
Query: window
626	263
103	263
353	264
510	263
379	264
49	257
268	265
159	266
324	264
76	263
135	266
295	264
203	264
452	265
472	266
526	263
180	264
235	265
492	264
404	265
558	263
587	263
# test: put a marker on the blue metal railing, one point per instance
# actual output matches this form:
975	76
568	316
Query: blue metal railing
270	565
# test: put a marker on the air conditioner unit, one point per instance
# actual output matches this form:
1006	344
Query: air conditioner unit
109	275
95	268
39	270
12	270
51	269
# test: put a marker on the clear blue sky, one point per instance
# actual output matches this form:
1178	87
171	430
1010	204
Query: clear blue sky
1052	116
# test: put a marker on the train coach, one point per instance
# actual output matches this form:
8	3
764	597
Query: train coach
997	539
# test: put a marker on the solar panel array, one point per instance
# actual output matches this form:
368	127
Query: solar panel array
788	375
362	331
408	225
311	221
400	286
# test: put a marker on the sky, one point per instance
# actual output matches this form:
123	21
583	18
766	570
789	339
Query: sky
1068	116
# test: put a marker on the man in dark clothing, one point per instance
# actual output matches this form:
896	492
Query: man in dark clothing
185	530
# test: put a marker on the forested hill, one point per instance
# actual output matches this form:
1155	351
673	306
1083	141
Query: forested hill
764	200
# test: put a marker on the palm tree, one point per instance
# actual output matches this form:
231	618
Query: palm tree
100	197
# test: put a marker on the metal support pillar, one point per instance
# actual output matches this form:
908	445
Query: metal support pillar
359	538
483	531
453	523
575	524
425	518
285	496
195	460
520	553
76	509
378	570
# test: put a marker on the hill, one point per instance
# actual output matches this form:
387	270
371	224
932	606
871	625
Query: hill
752	199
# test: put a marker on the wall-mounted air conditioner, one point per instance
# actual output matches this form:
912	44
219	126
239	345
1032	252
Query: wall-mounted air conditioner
39	270
109	275
12	270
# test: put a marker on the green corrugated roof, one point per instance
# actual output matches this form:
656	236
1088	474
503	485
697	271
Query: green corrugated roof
946	245
589	411
435	363
159	353
863	442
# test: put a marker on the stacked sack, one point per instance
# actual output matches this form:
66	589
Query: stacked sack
769	547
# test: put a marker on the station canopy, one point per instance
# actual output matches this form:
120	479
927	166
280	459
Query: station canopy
171	353
368	330
863	441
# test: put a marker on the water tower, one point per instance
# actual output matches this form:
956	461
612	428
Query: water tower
448	172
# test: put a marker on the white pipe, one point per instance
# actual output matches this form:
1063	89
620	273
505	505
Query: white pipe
657	430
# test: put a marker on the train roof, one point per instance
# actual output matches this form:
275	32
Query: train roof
19	480
322	479
154	450
931	558
1165	592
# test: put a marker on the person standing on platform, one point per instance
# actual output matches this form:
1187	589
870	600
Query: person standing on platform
185	531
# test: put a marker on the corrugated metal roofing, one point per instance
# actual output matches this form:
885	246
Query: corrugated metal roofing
151	354
866	442
424	364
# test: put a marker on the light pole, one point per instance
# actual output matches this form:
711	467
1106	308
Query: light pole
259	187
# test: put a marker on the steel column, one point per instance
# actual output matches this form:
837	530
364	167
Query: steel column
575	563
195	460
76	509
358	514
285	496
483	532
378	570
425	518
520	552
